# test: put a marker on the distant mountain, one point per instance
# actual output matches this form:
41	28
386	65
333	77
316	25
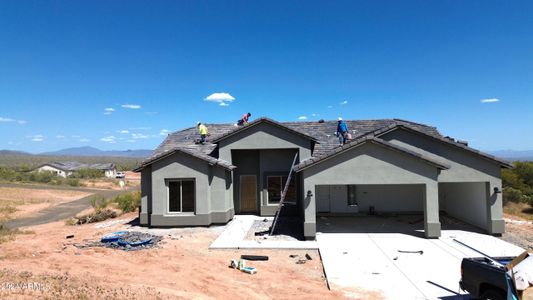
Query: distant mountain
13	152
91	151
514	155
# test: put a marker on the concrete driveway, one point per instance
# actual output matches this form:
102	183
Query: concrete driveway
374	261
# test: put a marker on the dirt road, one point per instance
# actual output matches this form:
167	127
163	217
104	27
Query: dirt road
61	211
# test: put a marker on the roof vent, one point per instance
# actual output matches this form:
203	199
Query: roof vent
450	138
321	121
462	142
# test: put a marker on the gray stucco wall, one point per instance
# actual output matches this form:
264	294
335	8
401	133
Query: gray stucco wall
391	197
464	167
372	164
275	151
264	136
211	205
466	201
146	196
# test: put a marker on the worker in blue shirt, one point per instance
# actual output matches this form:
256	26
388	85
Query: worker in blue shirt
342	131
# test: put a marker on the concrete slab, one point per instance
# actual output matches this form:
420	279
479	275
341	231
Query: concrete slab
372	261
233	237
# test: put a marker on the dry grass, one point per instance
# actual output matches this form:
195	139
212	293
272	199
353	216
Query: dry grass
522	210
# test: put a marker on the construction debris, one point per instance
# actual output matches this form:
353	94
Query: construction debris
125	240
69	236
308	256
254	257
241	265
414	252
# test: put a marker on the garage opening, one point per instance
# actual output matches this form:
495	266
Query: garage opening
465	201
370	198
371	208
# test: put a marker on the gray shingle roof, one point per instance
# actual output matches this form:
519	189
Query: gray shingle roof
442	139
74	165
323	133
238	129
363	140
189	151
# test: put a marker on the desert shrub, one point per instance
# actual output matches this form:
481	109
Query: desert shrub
73	182
98	203
96	216
128	202
512	195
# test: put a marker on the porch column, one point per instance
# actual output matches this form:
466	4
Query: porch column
309	207
431	210
146	192
495	222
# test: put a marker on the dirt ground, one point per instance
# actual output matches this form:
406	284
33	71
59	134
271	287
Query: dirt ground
131	179
181	267
25	201
518	231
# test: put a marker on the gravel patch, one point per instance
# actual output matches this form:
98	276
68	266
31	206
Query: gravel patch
286	230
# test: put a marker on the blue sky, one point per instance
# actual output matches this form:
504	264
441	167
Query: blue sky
153	64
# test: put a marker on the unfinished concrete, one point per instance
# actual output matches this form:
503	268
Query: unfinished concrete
371	260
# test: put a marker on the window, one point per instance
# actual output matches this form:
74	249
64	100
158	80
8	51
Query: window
275	186
352	201
181	196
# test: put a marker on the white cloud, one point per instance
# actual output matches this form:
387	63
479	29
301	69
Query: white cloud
37	138
109	139
10	120
124	131
84	140
59	136
330	106
140	128
137	136
221	98
489	100
110	109
131	106
131	141
344	102
164	132
302	118
314	115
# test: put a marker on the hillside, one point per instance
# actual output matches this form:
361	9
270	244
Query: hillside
91	151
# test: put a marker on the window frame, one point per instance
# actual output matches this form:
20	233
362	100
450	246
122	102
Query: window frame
180	180
282	186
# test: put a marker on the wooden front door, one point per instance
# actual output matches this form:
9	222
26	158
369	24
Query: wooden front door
248	193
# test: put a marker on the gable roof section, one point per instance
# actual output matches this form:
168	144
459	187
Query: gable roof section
361	141
444	140
74	165
261	120
191	152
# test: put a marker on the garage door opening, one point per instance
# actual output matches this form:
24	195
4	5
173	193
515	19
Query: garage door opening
383	208
464	201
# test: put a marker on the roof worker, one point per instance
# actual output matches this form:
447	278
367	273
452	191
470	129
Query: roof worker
244	119
342	131
202	130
